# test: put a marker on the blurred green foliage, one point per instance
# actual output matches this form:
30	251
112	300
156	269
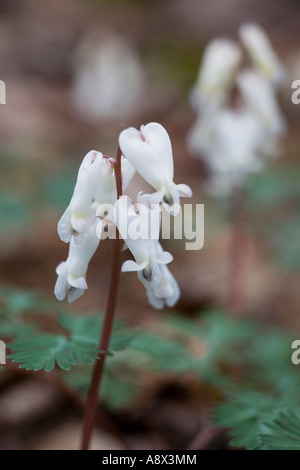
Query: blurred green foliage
277	186
58	188
17	310
13	212
36	189
273	209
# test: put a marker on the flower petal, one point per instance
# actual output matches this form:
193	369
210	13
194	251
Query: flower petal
125	216
164	257
84	192
184	190
153	300
128	172
164	292
64	226
74	294
130	266
157	136
174	297
61	283
60	268
150	152
141	155
79	283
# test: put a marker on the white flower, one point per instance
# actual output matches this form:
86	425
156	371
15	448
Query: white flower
140	231
260	98
237	136
167	292
106	192
150	258
71	280
239	122
200	137
221	60
74	220
95	181
262	54
233	149
150	152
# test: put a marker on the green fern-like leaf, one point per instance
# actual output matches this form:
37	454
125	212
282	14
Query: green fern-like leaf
42	351
283	432
245	414
19	301
78	343
18	309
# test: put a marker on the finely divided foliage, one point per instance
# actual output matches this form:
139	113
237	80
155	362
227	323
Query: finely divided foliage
78	342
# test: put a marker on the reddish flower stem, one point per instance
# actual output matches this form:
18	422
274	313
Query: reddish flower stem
204	438
92	398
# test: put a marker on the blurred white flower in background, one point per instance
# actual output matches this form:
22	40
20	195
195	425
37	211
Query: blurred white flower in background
108	79
262	55
239	123
220	62
234	150
260	98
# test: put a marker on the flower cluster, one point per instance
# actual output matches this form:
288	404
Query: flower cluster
239	122
149	152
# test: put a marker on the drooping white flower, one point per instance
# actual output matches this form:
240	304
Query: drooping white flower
95	182
167	292
259	96
139	226
75	218
260	50
221	60
71	281
150	152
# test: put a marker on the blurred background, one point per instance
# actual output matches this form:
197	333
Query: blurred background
77	72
